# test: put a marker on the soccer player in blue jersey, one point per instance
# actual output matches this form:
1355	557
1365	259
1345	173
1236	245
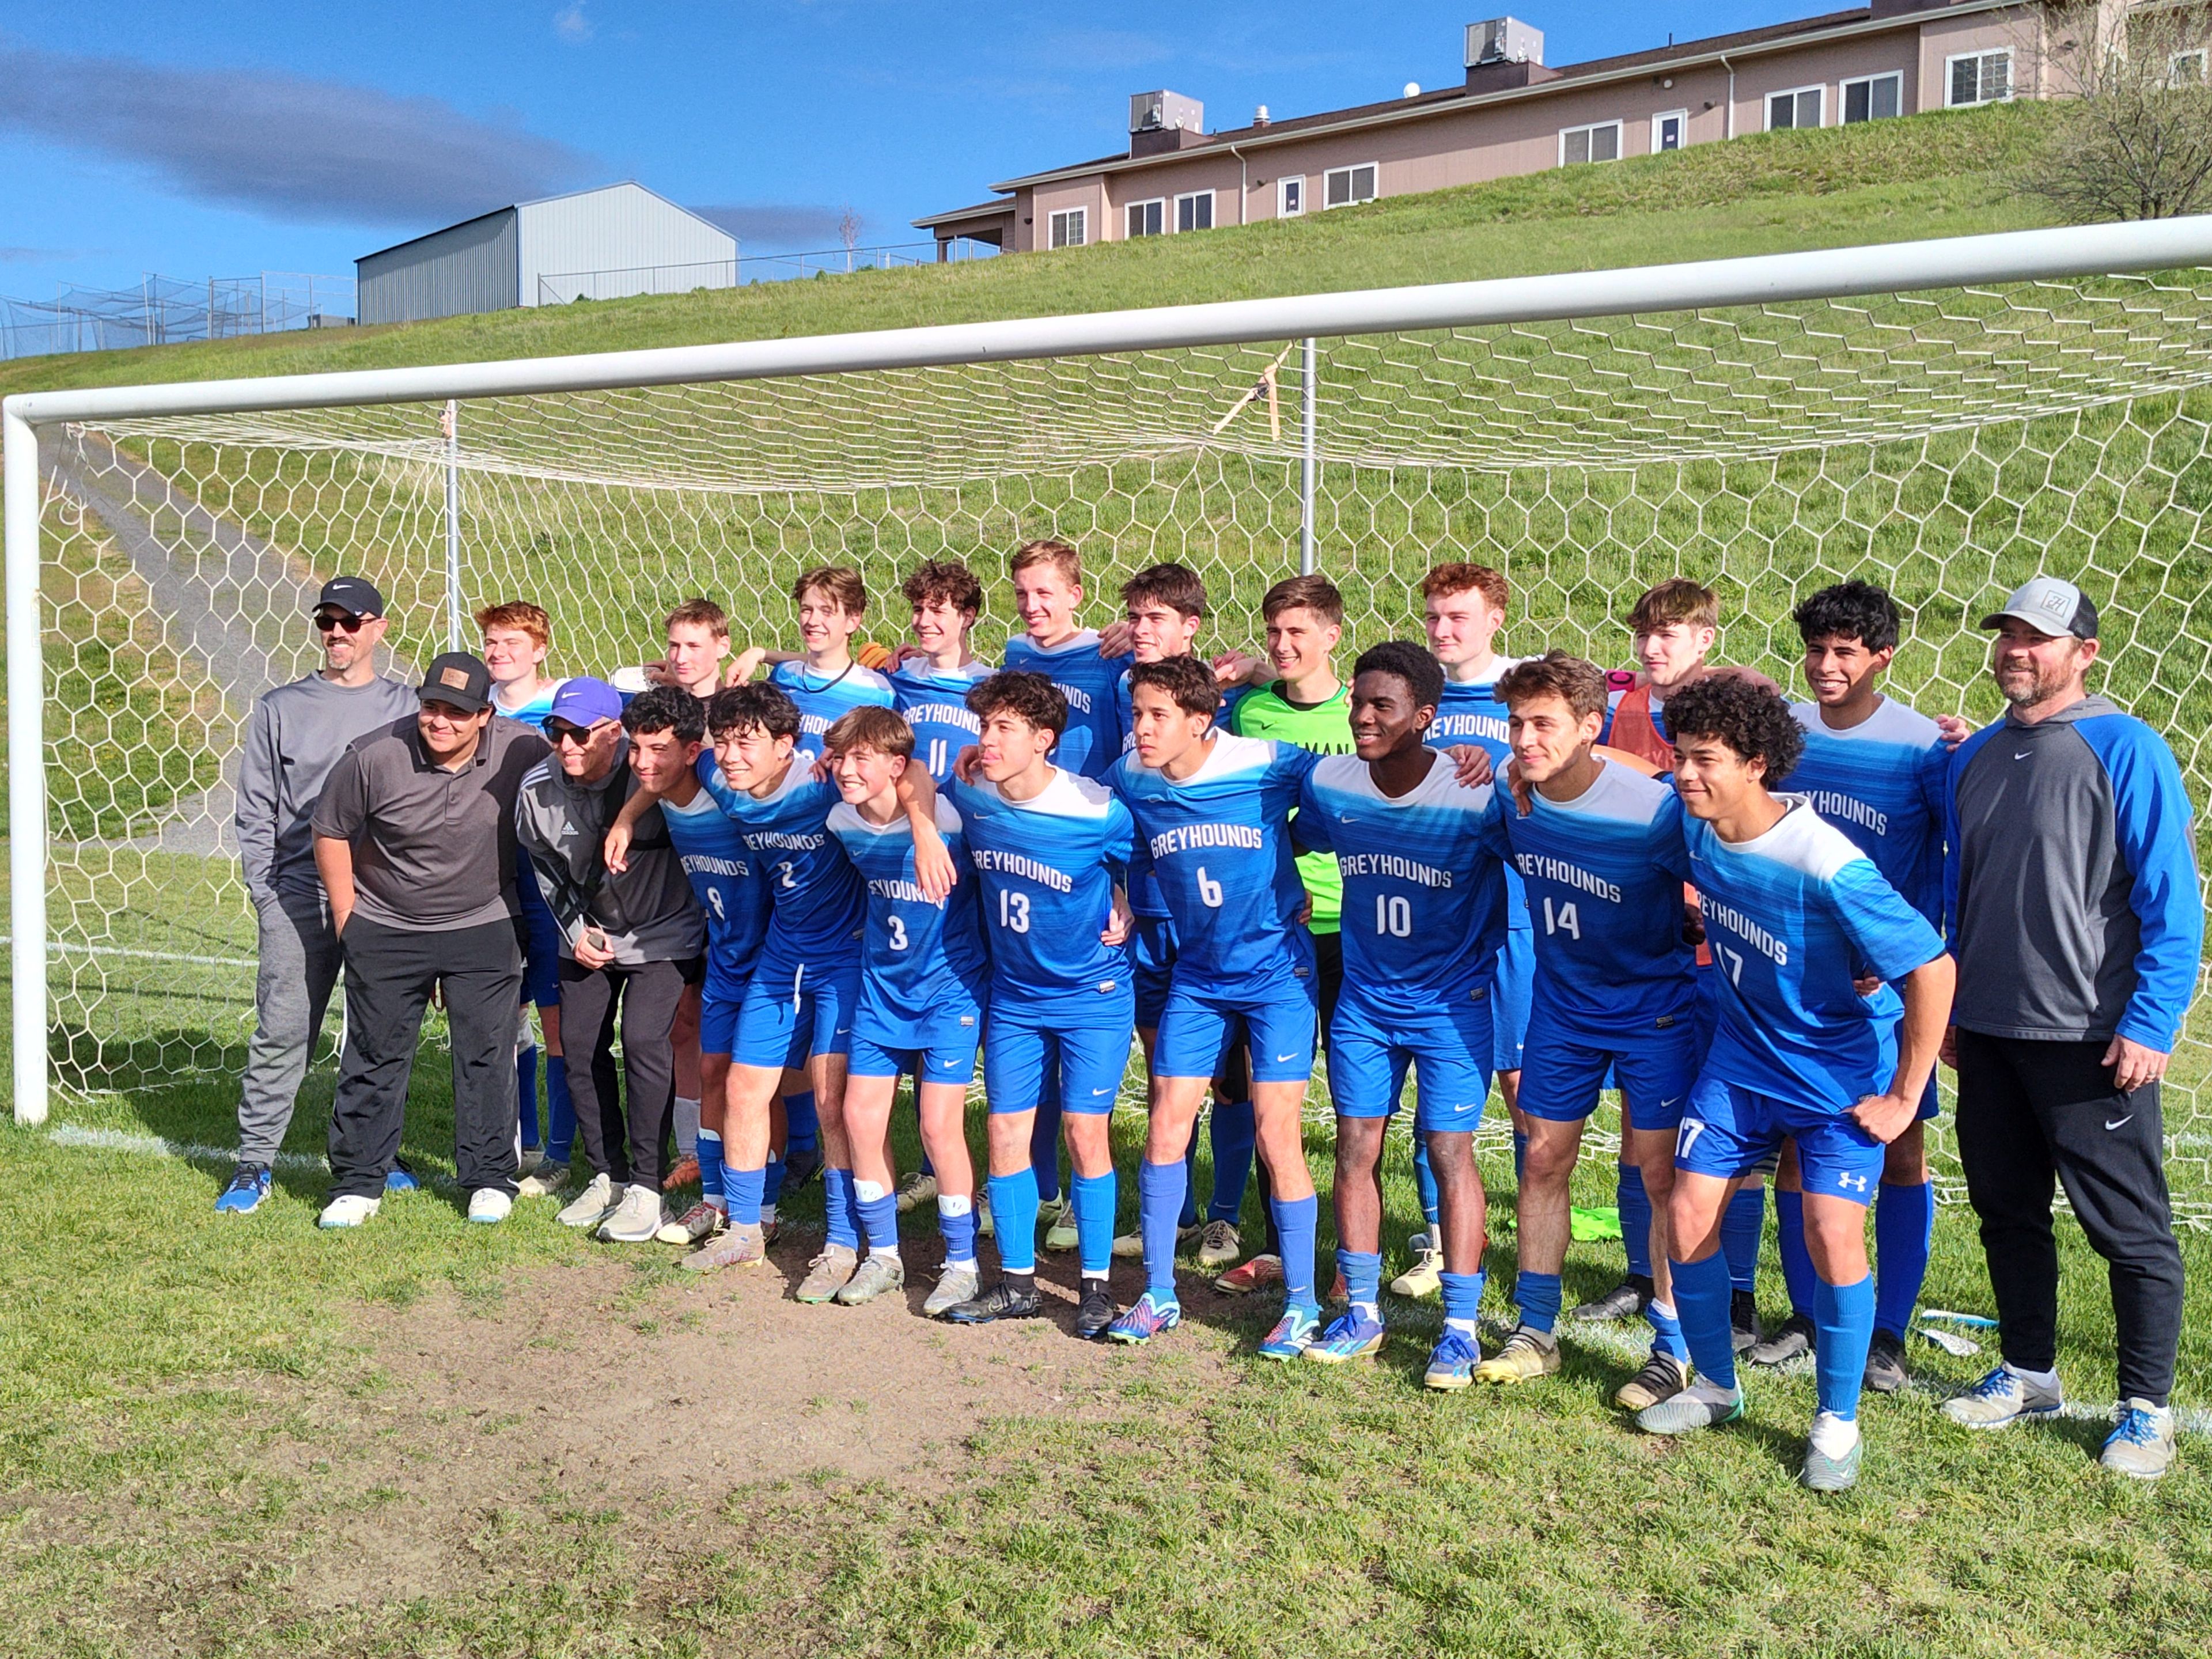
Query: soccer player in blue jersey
1048	849
825	681
1796	915
923	973
1876	770
1601	855
1424	919
1212	817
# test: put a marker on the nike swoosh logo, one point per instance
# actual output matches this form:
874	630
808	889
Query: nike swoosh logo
2024	754
1102	1091
2114	1123
1280	1058
1664	1104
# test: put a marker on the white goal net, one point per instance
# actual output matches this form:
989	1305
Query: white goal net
1947	442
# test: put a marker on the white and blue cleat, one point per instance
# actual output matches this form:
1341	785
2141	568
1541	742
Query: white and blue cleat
249	1185
1294	1334
1350	1336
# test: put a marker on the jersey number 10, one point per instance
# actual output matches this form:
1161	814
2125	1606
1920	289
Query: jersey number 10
1393	915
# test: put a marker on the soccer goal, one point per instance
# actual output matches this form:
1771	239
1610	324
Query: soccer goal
1942	416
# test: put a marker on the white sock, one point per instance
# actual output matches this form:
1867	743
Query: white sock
1372	1310
2041	1379
1465	1327
687	1126
768	1215
966	1266
953	1205
1712	1393
1834	1436
1664	1309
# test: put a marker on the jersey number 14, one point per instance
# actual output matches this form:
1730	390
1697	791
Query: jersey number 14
1565	920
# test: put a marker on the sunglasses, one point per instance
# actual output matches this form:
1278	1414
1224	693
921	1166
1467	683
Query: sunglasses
330	622
559	732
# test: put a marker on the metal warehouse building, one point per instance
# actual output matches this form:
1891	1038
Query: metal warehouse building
603	244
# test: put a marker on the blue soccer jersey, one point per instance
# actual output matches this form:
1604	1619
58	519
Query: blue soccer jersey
533	711
1045	869
1424	893
1220	845
1092	741
814	892
730	886
1793	917
1603	873
1471	713
1881	783
920	959
823	699
934	703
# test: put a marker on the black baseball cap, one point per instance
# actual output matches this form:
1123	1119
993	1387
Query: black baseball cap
352	595
457	678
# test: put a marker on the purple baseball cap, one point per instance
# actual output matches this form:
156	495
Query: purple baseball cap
586	701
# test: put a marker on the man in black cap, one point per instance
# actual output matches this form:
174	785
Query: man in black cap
415	837
294	737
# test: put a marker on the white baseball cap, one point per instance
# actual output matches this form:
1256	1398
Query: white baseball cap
2054	606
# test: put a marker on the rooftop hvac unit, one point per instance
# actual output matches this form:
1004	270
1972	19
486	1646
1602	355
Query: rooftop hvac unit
1165	112
1504	40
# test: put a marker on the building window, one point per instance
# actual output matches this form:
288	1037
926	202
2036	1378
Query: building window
1290	198
1877	98
1598	142
1800	106
2185	68
1342	186
1147	218
1070	227
1670	130
1980	77
1194	211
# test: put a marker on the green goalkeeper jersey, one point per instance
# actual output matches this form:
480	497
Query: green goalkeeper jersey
1324	728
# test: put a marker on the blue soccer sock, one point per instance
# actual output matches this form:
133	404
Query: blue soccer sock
1014	1219
526	1092
560	1111
1797	1275
710	1167
1635	1220
955	1220
1538	1296
1159	1202
1187	1216
1741	1225
742	1188
1843	1314
1095	1198
1462	1294
1235	1133
1904	1228
1297	1219
1363	1277
1425	1184
802	1124
879	1212
1701	1303
1520	1157
1044	1145
838	1216
1666	1330
772	1185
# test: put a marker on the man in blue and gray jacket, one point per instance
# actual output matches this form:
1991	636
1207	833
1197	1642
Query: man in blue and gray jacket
2075	915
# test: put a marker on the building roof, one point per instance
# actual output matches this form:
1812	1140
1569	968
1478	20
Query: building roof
539	201
991	209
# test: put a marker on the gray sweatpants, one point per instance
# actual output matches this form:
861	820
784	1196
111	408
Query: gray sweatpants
300	960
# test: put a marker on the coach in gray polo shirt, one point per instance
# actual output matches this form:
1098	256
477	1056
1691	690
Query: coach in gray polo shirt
415	837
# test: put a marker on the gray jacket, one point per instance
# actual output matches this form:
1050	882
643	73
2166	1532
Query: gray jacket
649	911
293	738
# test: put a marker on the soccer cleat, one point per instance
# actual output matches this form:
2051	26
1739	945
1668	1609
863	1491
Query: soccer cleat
1005	1300
1295	1333
350	1210
1527	1356
1218	1245
1130	1247
771	1227
1792	1337
826	1274
249	1185
686	1174
954	1286
734	1247
1885	1371
1452	1362
1423	1277
1145	1321
1096	1311
2142	1445
916	1190
877	1274
1822	1472
489	1206
1348	1337
544	1181
2002	1397
701	1222
592	1206
1662	1378
1059	1231
399	1178
527	1161
637	1219
1743	1319
1623	1301
1256	1274
801	1167
1689	1411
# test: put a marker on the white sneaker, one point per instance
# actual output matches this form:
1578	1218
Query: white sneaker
350	1210
544	1181
1130	1247
489	1206
592	1206
636	1220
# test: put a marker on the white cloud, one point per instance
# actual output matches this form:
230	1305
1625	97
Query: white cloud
571	25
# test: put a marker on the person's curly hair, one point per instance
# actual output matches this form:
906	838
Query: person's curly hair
1025	694
1746	716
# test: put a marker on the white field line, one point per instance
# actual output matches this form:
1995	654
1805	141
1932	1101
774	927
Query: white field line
73	948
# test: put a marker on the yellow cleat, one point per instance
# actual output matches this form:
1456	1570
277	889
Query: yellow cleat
1424	1278
1527	1356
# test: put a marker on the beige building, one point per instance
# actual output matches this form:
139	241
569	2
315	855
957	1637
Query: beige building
1518	114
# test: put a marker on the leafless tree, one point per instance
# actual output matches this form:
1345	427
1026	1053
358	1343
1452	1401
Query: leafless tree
2130	136
849	233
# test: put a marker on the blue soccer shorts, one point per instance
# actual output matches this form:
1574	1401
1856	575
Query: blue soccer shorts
1449	1048
939	1050
1510	996
1025	1053
541	940
1654	1068
796	1008
1278	1018
1730	1130
1151	965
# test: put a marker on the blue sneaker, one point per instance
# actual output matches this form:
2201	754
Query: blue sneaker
1145	1321
400	1179
249	1185
1452	1362
1294	1334
1349	1336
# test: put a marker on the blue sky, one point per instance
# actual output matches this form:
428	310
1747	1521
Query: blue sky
228	138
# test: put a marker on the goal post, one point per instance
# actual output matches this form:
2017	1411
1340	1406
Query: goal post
1942	416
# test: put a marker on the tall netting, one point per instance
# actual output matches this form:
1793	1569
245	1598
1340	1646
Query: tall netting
1946	444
